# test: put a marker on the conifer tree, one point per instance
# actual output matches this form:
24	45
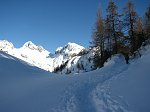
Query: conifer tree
98	40
140	36
130	22
112	23
147	22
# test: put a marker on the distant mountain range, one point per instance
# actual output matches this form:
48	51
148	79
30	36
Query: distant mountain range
72	58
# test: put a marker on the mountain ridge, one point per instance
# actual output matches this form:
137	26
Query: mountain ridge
69	55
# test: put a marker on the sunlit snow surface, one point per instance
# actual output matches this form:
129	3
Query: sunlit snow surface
37	56
117	87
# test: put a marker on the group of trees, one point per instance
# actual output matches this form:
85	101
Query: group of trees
119	33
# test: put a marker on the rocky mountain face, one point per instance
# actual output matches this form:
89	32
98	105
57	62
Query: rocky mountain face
72	58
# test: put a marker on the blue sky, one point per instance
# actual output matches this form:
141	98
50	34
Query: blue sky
53	23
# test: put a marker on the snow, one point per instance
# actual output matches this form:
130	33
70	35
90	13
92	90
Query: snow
5	45
69	49
117	87
134	83
58	50
29	52
37	56
80	64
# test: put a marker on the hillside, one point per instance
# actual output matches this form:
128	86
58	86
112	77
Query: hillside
117	87
72	58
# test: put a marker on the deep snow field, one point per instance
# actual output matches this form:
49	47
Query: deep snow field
117	87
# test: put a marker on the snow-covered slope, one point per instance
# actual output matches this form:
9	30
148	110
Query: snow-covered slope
73	58
70	49
68	56
133	84
29	52
116	87
64	54
6	46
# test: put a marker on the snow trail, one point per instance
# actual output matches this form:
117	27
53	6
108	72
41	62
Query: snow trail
86	95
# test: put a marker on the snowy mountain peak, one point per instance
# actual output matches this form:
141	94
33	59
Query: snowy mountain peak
32	46
71	56
69	49
5	45
70	44
58	50
29	43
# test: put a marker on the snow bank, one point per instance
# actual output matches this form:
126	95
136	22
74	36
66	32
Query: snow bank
133	84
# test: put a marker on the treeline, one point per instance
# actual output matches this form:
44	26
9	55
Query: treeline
119	33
